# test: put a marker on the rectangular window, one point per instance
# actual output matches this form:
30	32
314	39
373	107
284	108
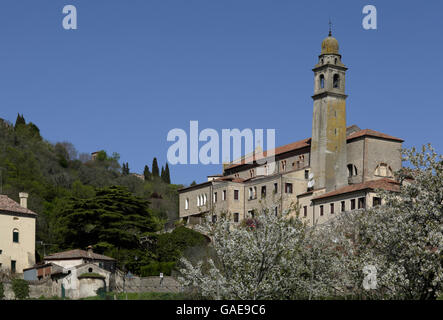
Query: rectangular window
214	218
376	201
275	187
235	194
353	204
215	197
13	266
251	213
305	211
276	211
361	203
321	210
332	208
263	191
186	204
288	187
343	206
224	195
306	174
236	215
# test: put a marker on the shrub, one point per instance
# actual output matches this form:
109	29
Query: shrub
20	288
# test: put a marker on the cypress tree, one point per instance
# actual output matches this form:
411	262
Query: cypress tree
167	175
19	121
125	168
147	173
162	175
155	170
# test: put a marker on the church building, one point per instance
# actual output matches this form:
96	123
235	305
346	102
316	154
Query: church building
339	168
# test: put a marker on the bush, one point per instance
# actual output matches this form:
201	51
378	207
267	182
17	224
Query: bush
155	268
2	291
20	288
170	246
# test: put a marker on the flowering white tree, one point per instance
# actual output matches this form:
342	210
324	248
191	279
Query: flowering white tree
259	259
403	238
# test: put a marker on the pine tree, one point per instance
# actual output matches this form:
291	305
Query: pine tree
147	173
167	175
155	170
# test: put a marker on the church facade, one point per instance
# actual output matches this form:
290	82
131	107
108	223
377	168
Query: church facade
339	168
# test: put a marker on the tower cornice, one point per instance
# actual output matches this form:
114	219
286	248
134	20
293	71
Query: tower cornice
329	65
329	93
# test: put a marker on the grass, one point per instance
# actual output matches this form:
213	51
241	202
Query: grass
140	296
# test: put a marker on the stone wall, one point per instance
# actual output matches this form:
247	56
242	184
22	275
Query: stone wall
146	284
46	288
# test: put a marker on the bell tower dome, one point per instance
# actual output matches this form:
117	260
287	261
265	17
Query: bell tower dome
328	145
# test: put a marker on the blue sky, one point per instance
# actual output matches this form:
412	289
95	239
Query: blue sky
133	70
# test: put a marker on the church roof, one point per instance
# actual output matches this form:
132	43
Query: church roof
385	184
372	133
307	142
7	204
279	150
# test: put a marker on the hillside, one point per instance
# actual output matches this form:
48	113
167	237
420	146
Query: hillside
55	174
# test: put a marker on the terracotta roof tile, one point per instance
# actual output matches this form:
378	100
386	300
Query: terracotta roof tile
372	133
7	204
279	150
307	142
76	254
385	184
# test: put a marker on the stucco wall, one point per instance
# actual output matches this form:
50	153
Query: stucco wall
22	252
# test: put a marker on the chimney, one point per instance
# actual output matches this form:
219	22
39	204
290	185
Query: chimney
90	251
23	199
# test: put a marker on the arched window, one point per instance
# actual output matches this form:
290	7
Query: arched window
335	61
322	81
352	170
336	82
15	234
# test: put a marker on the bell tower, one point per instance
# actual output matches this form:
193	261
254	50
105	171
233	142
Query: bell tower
328	144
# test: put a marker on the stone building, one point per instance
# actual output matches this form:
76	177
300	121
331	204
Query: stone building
339	168
17	234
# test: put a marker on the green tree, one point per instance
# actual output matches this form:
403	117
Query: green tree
147	173
113	221
162	175
167	178
125	168
155	170
19	121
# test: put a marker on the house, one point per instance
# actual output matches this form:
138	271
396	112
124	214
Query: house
75	273
339	168
76	257
17	234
